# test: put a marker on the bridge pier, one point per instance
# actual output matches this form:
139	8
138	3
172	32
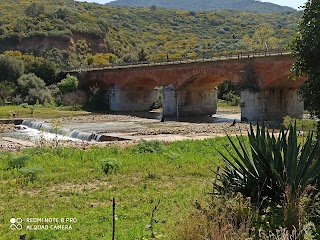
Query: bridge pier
133	100
270	105
190	102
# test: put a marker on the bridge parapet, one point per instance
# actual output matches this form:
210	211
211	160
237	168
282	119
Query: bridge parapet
216	57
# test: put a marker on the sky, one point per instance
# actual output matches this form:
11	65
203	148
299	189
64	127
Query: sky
290	3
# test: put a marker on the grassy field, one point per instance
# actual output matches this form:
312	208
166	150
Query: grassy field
27	111
72	184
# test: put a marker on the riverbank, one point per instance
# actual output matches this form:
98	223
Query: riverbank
129	129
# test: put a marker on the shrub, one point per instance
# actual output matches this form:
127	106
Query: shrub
231	98
110	165
98	99
69	84
31	173
142	56
150	146
302	124
6	92
45	70
10	69
226	87
33	89
128	58
18	161
34	10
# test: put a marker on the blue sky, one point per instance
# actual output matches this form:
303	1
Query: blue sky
290	3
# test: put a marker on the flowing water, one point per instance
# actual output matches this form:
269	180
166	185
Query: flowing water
89	131
63	132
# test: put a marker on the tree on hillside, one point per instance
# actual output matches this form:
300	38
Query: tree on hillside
142	56
10	69
34	10
44	69
306	49
263	38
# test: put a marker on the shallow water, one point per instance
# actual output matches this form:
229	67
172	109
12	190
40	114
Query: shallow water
30	133
138	123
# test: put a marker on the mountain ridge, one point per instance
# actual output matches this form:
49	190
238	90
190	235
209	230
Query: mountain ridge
206	5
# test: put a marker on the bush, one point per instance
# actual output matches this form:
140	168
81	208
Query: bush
302	124
10	69
231	98
110	165
34	10
31	173
69	84
130	58
32	89
226	87
98	100
6	92
150	146
18	161
45	70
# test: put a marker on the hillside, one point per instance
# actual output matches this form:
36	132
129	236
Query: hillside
75	33
206	5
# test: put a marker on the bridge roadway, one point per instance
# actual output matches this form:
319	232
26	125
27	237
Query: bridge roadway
189	86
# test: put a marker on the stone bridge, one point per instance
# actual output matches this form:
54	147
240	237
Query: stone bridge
189	87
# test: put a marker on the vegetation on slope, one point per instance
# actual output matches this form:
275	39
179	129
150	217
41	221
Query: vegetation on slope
75	33
208	5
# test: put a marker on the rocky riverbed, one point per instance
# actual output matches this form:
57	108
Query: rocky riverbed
152	130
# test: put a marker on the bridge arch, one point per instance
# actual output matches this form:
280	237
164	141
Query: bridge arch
136	94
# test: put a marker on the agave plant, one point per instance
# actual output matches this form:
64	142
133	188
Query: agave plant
274	163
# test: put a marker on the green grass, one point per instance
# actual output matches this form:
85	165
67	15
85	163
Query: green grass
27	111
72	184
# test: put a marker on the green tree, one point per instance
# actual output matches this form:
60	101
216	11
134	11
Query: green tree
69	84
6	91
45	70
10	69
34	10
142	56
128	58
33	89
306	50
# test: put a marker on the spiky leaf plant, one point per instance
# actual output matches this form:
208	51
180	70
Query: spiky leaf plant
271	164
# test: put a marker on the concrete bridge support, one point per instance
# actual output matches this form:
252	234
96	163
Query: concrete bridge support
270	105
125	100
190	102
